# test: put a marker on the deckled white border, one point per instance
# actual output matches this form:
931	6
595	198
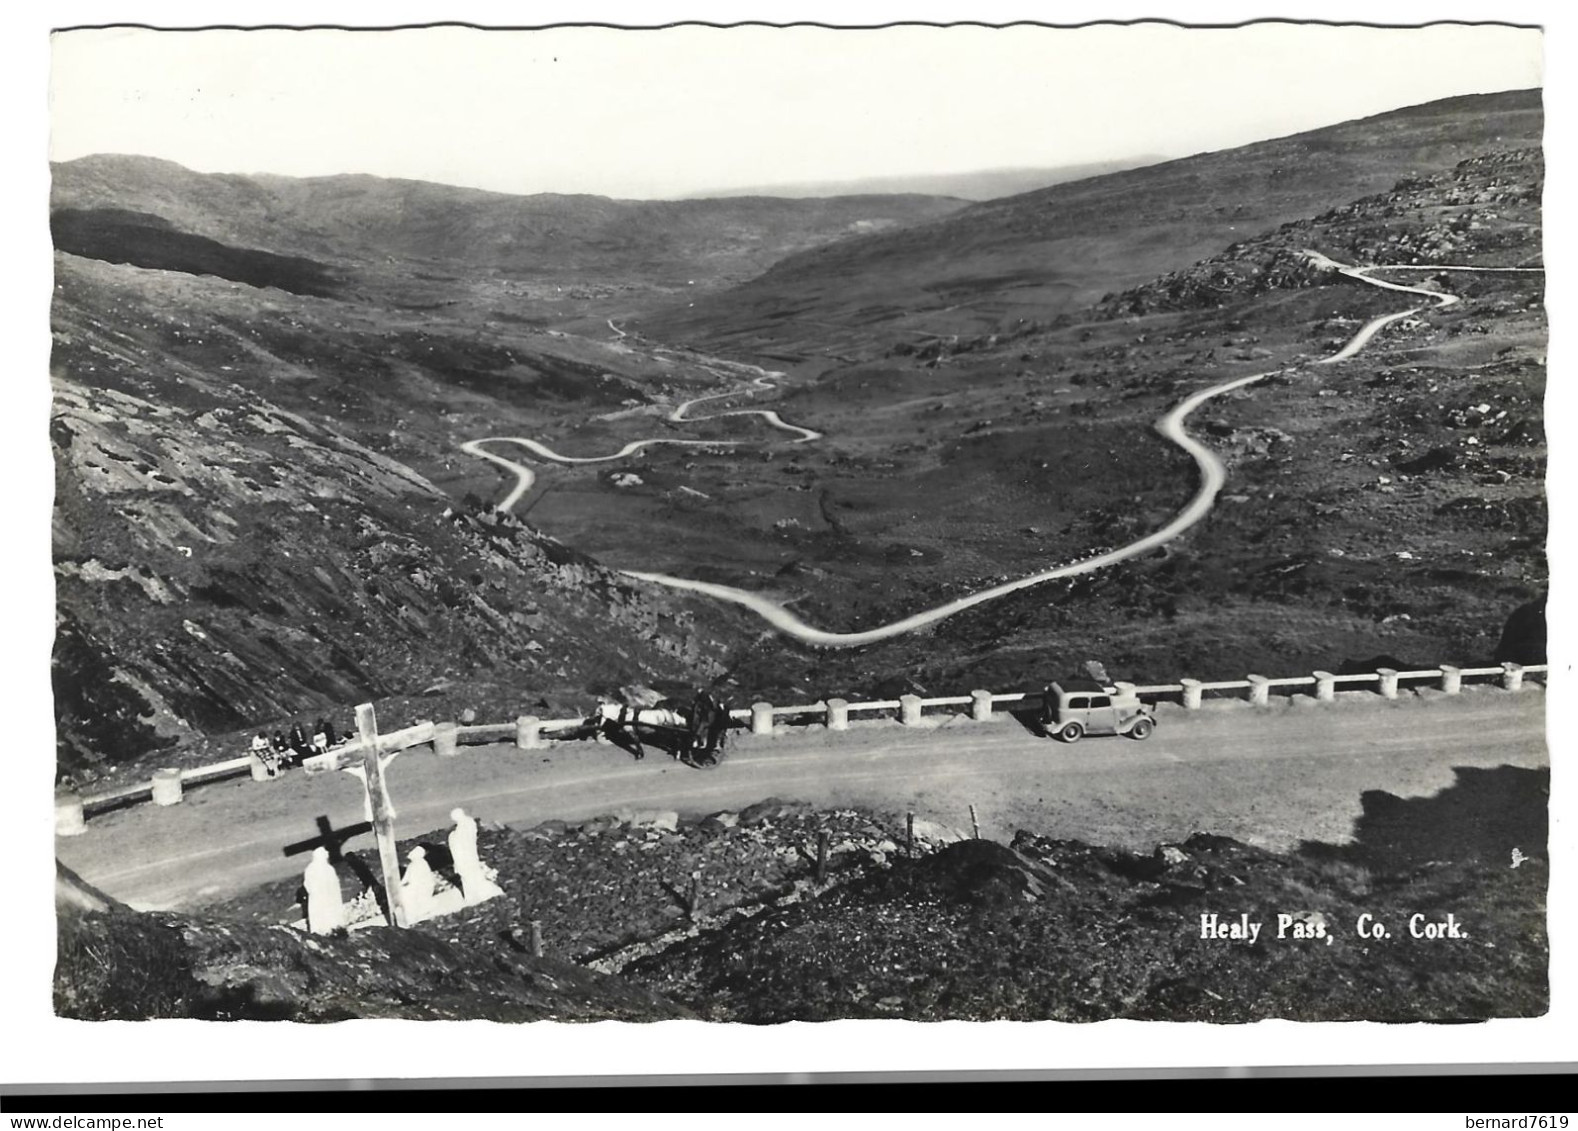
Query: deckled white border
43	1048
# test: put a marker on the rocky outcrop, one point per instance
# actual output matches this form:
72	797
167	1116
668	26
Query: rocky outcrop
227	563
1481	211
120	964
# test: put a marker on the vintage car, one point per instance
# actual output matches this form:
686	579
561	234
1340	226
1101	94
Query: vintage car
1077	707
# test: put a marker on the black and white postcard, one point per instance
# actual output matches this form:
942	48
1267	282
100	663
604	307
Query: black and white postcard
706	525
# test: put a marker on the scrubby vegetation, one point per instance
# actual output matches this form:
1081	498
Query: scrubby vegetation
1036	929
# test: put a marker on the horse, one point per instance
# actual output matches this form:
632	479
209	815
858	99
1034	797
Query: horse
710	721
697	728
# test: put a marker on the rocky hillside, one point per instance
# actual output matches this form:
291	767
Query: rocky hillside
110	207
1044	929
1390	505
224	561
121	965
1484	212
730	916
229	564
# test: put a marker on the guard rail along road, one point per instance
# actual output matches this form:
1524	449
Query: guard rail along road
529	732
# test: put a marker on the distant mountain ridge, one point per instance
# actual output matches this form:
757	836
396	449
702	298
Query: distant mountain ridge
976	185
1033	256
358	218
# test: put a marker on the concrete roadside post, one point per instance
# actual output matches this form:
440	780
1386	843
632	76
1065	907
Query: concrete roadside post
528	733
1325	687
910	710
446	739
167	786
909	836
70	820
1388	686
761	718
821	856
981	706
1191	693
837	714
1511	676
1451	679
1259	690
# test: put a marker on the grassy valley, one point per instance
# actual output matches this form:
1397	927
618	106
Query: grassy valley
263	509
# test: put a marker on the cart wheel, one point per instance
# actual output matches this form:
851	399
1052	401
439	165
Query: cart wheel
1072	732
1142	729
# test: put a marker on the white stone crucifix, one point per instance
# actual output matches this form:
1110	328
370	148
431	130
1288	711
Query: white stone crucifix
367	758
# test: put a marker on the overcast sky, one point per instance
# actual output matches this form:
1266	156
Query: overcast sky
656	113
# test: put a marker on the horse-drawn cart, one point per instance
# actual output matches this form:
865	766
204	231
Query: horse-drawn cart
695	731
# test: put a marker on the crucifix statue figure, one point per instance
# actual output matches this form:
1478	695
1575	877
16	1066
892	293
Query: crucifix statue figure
367	758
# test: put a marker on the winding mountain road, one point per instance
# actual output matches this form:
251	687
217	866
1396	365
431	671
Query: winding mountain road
1306	775
525	476
1213	475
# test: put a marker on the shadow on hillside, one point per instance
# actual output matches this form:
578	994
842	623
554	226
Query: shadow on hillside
144	240
1480	818
245	1003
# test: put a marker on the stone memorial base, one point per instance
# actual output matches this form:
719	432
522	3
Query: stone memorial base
363	911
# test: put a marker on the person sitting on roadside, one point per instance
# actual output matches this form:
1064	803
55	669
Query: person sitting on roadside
300	746
320	737
263	751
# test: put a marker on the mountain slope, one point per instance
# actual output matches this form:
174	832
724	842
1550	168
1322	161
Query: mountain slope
369	220
984	184
253	481
241	538
1391	504
996	264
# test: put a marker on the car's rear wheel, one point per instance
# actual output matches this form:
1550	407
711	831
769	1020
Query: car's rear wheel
1071	732
1142	729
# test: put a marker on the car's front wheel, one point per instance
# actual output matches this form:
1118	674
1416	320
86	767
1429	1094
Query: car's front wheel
1142	729
1071	732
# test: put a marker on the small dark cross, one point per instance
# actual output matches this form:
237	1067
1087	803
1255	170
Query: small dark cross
328	837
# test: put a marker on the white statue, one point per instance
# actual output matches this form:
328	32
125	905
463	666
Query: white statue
325	909
416	888
476	881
